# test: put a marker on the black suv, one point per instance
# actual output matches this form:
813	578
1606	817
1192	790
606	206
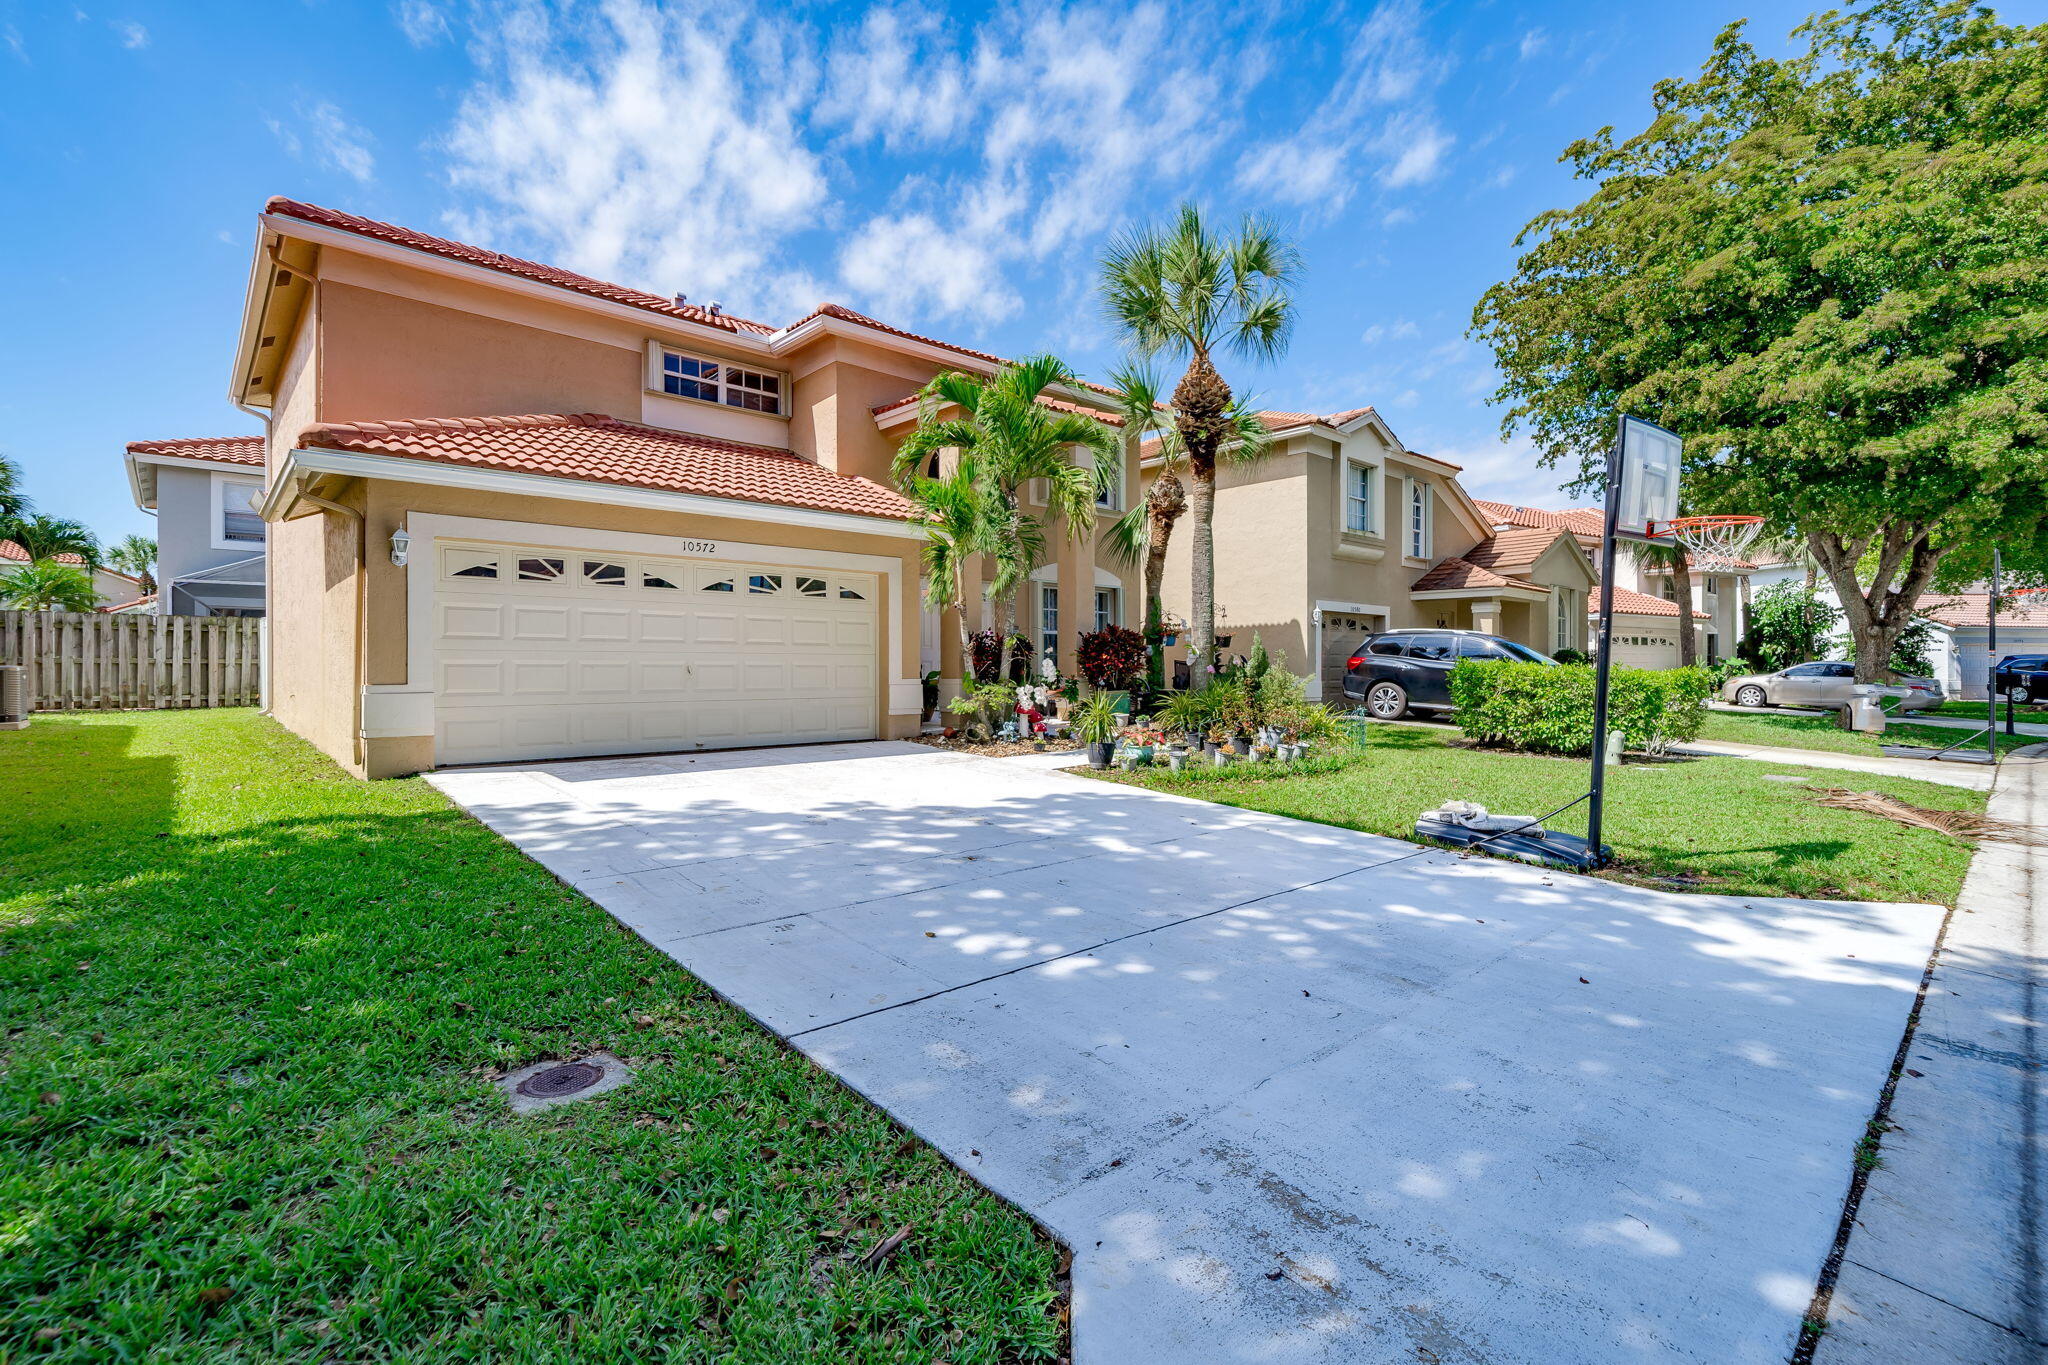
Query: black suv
1399	669
2024	678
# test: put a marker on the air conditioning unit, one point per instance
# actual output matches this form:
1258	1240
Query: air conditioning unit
13	697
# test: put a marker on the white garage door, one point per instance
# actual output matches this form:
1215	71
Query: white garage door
546	653
1637	644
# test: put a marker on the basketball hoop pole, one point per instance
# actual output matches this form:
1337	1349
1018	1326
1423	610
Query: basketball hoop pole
1991	658
1603	660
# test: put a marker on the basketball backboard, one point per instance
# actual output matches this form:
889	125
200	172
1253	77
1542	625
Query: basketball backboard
1650	466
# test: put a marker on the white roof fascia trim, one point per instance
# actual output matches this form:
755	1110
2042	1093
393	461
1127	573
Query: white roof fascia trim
435	263
402	469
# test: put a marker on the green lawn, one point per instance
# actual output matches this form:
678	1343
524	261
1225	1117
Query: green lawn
252	1011
1720	822
1821	732
1974	710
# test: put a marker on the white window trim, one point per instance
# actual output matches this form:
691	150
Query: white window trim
216	531
1413	488
656	379
1048	638
1375	498
1116	606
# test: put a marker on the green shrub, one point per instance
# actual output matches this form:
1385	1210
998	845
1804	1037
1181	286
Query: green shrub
1550	709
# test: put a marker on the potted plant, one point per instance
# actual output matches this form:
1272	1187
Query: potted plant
1212	741
1095	724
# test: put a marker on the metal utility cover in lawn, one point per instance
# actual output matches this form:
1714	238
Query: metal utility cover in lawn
1291	1093
545	1085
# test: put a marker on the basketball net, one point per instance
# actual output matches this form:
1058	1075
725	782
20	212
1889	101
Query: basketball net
1714	544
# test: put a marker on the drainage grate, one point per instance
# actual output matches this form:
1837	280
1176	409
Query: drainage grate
557	1081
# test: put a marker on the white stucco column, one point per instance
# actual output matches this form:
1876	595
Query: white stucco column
1486	617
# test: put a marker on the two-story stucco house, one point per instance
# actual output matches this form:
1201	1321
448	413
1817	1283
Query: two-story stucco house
209	534
516	512
1646	593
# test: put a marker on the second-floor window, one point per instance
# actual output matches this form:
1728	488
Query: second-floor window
236	520
718	381
1358	499
1418	520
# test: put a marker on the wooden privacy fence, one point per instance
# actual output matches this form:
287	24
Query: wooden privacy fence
85	661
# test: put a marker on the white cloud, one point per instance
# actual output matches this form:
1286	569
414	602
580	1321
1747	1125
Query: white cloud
336	143
900	81
1533	42
1503	471
642	145
1378	123
133	35
913	264
12	36
421	21
1401	329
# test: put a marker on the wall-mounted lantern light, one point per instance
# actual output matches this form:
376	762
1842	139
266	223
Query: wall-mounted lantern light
400	544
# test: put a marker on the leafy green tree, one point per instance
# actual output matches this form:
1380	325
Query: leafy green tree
136	556
1913	651
1789	623
1143	533
46	585
46	537
1186	290
1830	272
1007	437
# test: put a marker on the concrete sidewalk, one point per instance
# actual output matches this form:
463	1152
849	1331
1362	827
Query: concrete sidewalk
2020	727
1976	777
1945	1257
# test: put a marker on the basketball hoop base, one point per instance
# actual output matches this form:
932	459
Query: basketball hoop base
1548	849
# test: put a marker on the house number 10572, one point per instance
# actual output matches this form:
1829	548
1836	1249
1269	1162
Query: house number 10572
699	547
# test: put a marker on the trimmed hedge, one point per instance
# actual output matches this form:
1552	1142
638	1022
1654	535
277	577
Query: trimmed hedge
1549	709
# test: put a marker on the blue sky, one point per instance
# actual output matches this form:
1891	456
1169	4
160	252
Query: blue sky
951	172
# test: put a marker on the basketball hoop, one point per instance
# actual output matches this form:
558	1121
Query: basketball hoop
1715	544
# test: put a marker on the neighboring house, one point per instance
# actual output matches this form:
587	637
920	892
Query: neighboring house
209	534
1963	656
1646	595
1342	531
517	513
111	585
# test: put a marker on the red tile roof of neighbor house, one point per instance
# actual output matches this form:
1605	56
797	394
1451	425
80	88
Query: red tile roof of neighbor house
14	554
1966	609
1274	420
1510	552
142	601
1580	521
224	449
1629	602
601	449
543	273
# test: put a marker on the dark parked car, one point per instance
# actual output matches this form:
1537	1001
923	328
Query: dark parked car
2024	678
1402	669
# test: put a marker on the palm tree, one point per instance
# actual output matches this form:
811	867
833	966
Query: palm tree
1144	532
1673	558
46	585
46	537
1007	438
136	556
1184	290
958	525
14	500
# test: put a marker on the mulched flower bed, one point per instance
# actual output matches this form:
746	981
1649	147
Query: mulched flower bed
997	750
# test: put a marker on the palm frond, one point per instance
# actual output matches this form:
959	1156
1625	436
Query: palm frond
1129	535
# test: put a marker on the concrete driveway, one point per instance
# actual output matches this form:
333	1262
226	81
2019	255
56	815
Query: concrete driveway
1290	1093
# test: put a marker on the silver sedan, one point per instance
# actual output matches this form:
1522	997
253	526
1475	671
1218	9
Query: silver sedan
1826	685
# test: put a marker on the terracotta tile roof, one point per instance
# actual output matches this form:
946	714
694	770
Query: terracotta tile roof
1455	574
147	599
603	449
1629	602
511	265
1966	609
1273	420
1512	552
845	314
14	554
1106	418
226	449
1580	521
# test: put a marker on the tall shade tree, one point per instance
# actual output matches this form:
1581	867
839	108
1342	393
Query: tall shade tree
136	556
46	585
1143	534
46	537
1183	289
1672	559
1006	437
1830	273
